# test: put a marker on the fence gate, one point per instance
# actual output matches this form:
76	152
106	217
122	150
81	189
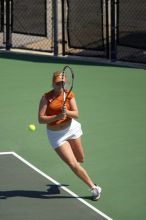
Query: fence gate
26	24
131	39
85	28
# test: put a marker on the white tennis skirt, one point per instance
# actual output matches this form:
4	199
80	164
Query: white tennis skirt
57	138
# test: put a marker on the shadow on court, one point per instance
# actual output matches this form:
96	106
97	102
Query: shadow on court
26	194
52	193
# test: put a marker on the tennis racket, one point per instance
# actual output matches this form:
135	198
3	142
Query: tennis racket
67	86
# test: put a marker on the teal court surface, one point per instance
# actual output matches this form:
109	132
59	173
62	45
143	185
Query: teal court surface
34	182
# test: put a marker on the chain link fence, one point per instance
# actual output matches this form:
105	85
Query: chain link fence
29	24
131	24
1	22
84	27
109	29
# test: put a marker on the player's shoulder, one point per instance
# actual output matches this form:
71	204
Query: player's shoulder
71	95
48	95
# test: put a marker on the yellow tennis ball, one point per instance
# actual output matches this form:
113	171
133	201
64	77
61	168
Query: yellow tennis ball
32	127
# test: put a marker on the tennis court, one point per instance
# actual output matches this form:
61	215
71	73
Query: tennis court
35	183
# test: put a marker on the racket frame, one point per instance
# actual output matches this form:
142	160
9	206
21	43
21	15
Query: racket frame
63	84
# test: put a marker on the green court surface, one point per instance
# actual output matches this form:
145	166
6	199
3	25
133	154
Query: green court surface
112	106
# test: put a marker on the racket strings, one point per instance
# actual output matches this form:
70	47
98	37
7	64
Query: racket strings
69	78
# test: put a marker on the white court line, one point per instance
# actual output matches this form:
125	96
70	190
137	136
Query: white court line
6	153
55	182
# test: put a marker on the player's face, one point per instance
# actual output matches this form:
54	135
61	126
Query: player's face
58	86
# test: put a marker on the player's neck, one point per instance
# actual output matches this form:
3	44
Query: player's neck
58	92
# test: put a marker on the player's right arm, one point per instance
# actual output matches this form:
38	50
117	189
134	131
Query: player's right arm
42	117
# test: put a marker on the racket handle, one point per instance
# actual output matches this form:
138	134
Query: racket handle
64	96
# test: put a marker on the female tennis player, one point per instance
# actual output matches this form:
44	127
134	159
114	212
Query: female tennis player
63	130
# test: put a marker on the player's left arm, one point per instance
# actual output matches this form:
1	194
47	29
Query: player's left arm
73	111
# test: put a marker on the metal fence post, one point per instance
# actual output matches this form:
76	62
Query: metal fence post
113	50
106	26
55	16
8	25
63	26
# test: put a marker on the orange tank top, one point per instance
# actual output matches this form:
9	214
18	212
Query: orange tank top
54	105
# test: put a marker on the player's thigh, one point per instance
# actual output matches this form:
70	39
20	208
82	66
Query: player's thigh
77	149
66	154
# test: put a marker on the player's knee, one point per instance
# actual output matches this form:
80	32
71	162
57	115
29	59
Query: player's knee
81	159
74	166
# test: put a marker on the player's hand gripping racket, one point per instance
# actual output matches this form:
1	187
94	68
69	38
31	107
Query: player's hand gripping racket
67	82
